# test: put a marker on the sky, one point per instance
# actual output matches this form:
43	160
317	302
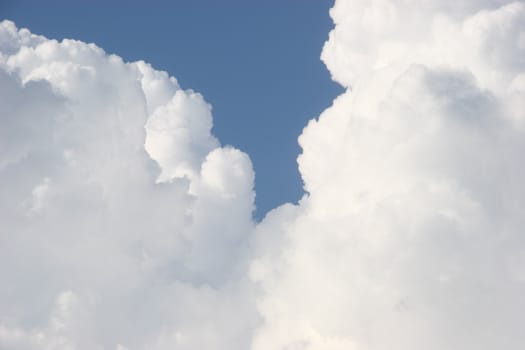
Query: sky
256	62
128	222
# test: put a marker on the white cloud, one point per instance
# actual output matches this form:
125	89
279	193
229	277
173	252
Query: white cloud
411	236
102	247
125	224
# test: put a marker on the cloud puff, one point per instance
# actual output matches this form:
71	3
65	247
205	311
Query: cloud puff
125	224
412	232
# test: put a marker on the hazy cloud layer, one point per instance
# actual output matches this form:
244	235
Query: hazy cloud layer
125	224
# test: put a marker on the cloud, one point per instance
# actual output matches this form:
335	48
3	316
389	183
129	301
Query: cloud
124	222
411	234
126	225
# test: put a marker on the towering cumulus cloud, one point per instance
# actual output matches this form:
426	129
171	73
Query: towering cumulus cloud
412	235
124	224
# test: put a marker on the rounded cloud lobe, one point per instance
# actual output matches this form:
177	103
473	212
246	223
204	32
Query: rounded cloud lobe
126	225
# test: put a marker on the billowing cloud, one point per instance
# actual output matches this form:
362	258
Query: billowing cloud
412	232
124	222
126	225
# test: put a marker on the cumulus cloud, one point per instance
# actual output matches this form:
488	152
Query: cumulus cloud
126	225
411	235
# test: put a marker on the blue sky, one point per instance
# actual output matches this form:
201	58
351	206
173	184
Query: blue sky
256	62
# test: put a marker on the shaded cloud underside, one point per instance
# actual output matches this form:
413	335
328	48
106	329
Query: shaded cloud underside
126	225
